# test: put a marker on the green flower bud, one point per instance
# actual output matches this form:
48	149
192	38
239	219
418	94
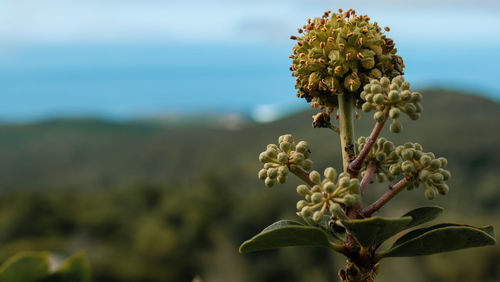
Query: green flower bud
307	164
287	138
269	182
366	107
352	200
418	108
407	154
286	147
394	113
367	88
317	216
316	189
378	99
444	162
282	157
398	80
303	190
388	147
306	211
395	126
272	172
369	98
405	85
330	173
435	164
425	160
375	89
344	182
424	174
379	116
336	209
394	95
375	73
416	97
315	177
262	174
443	189
329	187
405	95
301	204
395	169
272	146
271	153
282	178
264	158
437	177
384	81
393	87
418	147
381	156
302	147
316	198
410	109
283	171
407	166
417	155
430	194
446	174
298	158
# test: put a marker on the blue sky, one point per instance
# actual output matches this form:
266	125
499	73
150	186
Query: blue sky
123	58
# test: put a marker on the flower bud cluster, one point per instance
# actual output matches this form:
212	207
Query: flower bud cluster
327	197
422	168
277	159
382	154
391	98
339	53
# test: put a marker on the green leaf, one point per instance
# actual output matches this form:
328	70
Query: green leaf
285	233
25	267
441	238
74	269
423	215
374	230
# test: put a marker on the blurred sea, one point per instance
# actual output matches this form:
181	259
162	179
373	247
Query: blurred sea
129	81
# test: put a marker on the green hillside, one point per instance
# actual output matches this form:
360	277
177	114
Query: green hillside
151	201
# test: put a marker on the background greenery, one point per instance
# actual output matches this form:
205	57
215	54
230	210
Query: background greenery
153	201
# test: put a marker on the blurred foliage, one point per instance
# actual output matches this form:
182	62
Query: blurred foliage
156	202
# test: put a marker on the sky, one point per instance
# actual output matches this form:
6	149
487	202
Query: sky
124	58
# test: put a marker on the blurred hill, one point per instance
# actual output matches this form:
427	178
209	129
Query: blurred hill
155	201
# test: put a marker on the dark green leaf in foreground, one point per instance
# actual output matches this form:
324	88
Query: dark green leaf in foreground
286	233
423	215
441	238
25	267
74	269
374	230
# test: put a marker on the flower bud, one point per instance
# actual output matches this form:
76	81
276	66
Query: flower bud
336	210
405	85
407	166
398	80
366	107
352	200
286	138
262	174
264	158
272	172
298	158
425	160
407	154
306	211
303	190
435	164
410	109
378	99
283	171
271	153
282	157
443	189
444	162
380	177
307	164
316	198
329	187
446	174
302	147
437	177
375	89
330	173
416	97
393	87
286	147
394	113
282	179
316	189
317	216
270	182
395	169
395	126
315	177
384	81
379	116
344	182
301	204
424	174
430	194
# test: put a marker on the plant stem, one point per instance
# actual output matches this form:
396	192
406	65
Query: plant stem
301	174
346	106
370	170
356	164
393	190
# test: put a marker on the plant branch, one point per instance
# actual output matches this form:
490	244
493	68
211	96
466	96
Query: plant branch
393	190
334	128
370	170
355	165
301	174
346	105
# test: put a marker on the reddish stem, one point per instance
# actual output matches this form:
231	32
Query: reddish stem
355	165
393	190
367	178
301	174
